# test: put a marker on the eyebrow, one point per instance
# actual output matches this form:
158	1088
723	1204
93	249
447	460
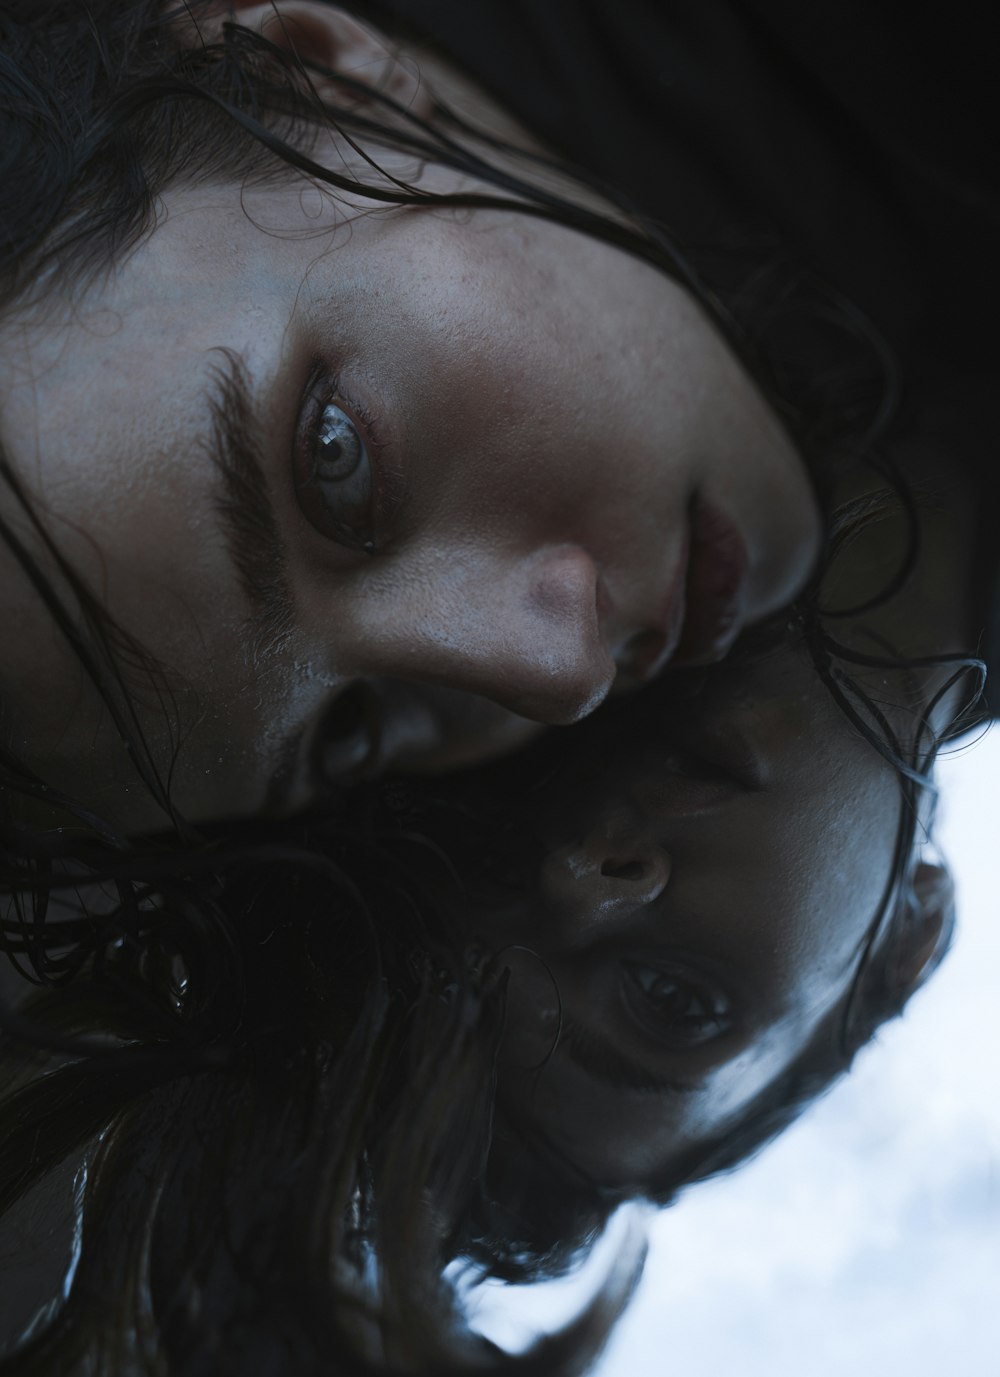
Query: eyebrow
596	1055
252	533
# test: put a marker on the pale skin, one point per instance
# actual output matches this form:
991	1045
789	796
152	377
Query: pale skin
547	442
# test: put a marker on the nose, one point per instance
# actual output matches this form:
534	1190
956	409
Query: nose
557	666
523	630
602	879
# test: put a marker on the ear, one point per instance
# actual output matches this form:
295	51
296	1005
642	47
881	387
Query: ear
926	928
322	34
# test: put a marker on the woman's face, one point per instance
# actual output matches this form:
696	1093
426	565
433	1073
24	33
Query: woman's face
475	461
709	881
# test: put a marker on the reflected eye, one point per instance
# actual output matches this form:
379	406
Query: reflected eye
335	480
675	1009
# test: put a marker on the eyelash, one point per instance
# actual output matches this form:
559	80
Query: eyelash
321	392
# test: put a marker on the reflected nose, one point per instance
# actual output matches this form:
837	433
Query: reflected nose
601	880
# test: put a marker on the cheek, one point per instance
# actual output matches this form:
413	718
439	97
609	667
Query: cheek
625	1139
618	1136
615	1140
837	870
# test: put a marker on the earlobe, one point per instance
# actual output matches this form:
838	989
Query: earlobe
322	35
928	926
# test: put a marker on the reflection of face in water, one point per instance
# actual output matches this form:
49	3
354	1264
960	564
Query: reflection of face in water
526	459
710	879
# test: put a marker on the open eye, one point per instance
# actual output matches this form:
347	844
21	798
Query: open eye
674	1008
335	478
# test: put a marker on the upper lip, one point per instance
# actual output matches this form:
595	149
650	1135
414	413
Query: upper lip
705	607
646	652
716	590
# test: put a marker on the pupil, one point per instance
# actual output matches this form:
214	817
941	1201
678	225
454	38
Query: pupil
340	450
669	997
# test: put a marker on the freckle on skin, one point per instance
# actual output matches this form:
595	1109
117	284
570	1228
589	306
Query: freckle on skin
103	324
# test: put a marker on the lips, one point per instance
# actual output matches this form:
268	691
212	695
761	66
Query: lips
716	592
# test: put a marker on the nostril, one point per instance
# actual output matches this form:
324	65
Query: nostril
623	870
642	656
349	736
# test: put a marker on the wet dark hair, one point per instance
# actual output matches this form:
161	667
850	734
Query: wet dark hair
267	1046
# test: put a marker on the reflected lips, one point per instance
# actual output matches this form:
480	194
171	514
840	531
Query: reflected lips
717	577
